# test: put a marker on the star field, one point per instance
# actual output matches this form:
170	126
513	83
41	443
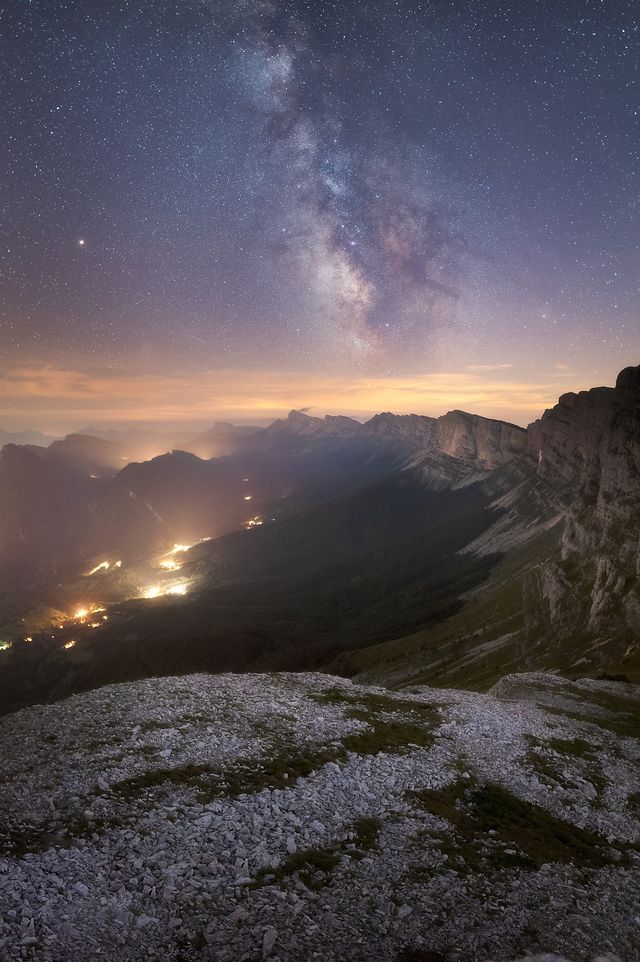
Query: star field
379	188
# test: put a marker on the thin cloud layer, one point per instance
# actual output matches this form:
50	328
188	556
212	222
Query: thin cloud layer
67	399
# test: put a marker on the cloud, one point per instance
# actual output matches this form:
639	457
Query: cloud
487	368
69	399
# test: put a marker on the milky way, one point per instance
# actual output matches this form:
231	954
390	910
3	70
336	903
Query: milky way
385	188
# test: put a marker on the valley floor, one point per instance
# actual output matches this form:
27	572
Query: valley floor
300	817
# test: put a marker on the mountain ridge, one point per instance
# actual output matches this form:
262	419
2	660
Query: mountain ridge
447	550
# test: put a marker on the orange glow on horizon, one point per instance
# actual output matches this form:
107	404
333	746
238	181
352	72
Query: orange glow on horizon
48	395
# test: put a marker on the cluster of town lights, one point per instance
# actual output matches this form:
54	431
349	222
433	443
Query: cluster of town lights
81	614
97	613
155	591
103	566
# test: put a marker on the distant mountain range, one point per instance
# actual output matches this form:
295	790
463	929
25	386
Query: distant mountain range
407	548
25	437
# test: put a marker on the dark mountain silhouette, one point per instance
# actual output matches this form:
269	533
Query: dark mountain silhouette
448	550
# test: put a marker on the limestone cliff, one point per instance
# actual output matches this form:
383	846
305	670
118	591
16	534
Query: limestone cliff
588	448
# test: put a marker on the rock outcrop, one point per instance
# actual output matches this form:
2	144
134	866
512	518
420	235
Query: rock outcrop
465	437
416	430
299	424
483	442
588	449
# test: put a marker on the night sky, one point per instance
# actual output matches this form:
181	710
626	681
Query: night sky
214	208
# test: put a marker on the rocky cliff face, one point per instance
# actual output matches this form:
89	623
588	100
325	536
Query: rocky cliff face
487	442
482	442
417	430
565	594
588	448
299	424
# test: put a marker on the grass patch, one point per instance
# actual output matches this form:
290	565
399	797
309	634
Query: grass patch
623	715
282	770
193	776
524	835
376	702
153	726
384	736
20	839
633	804
546	768
552	768
333	696
576	747
618	721
286	763
366	832
414	728
315	865
247	777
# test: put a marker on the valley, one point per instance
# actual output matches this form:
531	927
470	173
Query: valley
445	551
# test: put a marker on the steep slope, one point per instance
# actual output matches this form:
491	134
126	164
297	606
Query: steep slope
83	453
57	520
483	442
565	595
54	517
297	817
41	502
447	550
379	562
590	444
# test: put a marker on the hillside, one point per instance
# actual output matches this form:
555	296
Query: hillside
300	817
407	549
564	595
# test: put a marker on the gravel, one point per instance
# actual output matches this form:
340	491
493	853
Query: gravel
150	821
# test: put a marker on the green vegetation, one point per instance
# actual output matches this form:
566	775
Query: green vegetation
615	713
284	763
315	865
20	838
414	728
154	725
197	776
523	835
245	778
386	736
552	769
633	804
575	747
480	642
622	714
365	833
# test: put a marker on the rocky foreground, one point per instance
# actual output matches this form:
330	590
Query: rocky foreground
299	817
